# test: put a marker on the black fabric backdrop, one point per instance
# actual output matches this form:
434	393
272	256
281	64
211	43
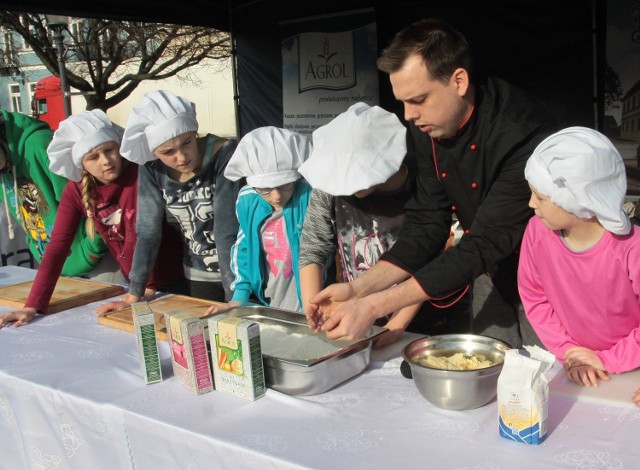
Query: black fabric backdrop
545	47
552	48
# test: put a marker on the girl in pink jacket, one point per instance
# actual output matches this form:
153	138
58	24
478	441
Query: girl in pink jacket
579	272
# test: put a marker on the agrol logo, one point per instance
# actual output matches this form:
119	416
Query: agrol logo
327	61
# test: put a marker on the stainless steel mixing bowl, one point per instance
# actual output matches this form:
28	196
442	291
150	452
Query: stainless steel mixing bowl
456	389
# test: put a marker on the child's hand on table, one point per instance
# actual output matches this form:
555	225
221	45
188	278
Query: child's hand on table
222	307
18	317
126	301
584	367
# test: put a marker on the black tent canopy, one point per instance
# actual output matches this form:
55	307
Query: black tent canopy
217	14
544	46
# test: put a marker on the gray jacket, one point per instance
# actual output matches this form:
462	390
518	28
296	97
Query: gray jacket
203	208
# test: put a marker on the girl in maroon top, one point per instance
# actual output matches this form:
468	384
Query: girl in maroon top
103	191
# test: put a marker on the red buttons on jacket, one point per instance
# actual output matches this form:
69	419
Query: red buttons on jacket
473	146
443	174
466	231
474	185
453	208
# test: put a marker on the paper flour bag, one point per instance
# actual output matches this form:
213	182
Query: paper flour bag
523	394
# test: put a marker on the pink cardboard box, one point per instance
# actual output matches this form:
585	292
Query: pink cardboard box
190	358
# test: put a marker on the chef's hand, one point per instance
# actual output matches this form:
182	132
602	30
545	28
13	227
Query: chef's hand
349	321
317	314
326	301
636	397
220	308
19	317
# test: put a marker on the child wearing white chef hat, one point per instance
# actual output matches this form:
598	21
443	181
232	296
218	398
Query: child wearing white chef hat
579	273
182	174
102	190
271	209
360	186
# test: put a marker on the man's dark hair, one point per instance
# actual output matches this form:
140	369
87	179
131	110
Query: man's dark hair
442	48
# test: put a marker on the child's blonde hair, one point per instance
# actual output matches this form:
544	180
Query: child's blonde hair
88	186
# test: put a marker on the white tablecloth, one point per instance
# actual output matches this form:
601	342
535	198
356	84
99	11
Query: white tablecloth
72	397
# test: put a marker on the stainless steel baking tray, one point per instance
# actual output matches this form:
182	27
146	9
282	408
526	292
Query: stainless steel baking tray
297	361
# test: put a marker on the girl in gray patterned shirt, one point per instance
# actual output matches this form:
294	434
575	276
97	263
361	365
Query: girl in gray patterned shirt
182	174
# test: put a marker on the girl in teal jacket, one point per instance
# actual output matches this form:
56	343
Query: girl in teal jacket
253	271
270	210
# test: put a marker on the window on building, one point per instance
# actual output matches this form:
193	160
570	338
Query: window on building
4	42
7	48
78	29
32	89
42	106
19	41
74	28
15	97
21	45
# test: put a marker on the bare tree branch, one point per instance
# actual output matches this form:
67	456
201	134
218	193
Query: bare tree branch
111	58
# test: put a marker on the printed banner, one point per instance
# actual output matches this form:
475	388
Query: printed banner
329	64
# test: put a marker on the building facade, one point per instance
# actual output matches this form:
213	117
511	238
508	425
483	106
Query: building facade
630	124
20	70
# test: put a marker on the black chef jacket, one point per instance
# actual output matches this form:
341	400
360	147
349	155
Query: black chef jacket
479	176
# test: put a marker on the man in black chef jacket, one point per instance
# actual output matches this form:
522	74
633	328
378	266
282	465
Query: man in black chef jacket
471	140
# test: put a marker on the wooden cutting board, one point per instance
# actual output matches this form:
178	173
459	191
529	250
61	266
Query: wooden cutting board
616	391
123	320
69	293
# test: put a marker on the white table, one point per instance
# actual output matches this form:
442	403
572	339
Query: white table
72	397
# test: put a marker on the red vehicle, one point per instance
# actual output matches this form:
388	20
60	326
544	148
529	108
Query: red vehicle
47	104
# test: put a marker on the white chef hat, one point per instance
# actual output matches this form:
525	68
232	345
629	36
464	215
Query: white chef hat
268	157
358	149
76	136
581	171
159	117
